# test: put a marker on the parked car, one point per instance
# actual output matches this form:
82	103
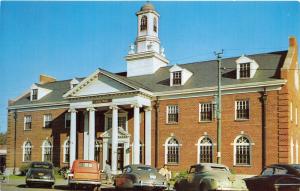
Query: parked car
140	177
85	174
210	176
40	173
276	177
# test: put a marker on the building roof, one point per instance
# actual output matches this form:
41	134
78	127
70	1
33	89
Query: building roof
204	75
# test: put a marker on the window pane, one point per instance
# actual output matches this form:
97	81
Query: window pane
173	114
206	152
242	109
177	78
242	151
245	70
206	111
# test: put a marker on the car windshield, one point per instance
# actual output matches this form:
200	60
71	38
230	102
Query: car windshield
220	168
86	164
41	165
145	168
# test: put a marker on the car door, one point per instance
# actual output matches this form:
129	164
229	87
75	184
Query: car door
191	178
261	182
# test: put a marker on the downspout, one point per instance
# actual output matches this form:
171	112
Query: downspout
264	121
15	141
156	131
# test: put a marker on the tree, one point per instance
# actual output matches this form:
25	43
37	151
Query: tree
2	138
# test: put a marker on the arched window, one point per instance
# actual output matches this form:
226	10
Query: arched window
205	150
144	23
27	147
67	151
155	24
242	151
47	151
172	151
97	151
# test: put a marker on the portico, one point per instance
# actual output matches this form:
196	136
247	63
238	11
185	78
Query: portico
113	98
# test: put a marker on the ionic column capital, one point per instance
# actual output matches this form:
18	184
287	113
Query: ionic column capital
72	110
113	107
148	108
90	109
135	105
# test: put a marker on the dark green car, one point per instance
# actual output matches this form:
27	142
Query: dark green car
208	177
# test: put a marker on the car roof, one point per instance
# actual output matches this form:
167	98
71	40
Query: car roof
40	162
290	167
138	165
209	165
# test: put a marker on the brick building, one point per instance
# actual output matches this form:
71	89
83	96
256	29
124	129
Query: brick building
158	114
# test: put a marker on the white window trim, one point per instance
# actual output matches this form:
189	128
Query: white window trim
199	144
167	114
166	149
235	110
31	94
234	150
43	149
291	111
49	114
68	114
292	151
296	116
23	147
109	115
25	122
64	150
212	111
297	152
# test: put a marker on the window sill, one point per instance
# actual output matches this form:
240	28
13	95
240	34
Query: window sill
27	129
241	120
172	123
205	121
172	164
243	165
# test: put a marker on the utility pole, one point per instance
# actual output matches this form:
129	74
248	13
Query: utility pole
15	141
219	107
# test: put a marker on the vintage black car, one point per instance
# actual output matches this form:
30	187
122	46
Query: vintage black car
140	177
40	173
276	177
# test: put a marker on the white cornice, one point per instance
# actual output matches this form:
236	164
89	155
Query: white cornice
148	54
224	88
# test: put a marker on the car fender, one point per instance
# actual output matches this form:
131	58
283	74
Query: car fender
210	182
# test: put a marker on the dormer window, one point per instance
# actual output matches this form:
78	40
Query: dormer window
73	83
154	25
245	70
177	78
245	67
144	23
34	94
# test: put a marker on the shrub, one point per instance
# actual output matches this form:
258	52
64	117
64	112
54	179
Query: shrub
24	168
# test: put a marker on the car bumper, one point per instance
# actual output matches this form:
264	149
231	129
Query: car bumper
35	180
231	189
144	184
84	182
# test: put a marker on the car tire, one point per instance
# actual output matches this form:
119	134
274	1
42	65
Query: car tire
203	187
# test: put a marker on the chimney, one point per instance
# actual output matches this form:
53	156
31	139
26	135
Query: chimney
44	79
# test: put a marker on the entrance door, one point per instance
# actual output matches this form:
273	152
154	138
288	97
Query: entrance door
120	156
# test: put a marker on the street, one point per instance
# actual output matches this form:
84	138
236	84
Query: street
19	185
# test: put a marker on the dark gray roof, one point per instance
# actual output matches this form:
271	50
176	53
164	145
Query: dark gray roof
204	75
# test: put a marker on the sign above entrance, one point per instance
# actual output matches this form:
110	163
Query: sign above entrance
102	101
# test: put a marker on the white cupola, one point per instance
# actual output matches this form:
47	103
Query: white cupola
146	55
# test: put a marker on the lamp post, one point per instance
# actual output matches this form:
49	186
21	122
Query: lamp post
219	107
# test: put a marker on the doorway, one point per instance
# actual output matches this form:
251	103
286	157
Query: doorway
120	156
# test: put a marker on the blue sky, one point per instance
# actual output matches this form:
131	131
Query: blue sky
72	39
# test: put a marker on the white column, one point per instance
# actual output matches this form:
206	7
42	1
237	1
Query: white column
136	135
72	136
86	136
104	150
148	136
114	139
126	154
91	133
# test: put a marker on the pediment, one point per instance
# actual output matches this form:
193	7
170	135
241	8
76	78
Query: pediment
121	133
102	85
98	83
